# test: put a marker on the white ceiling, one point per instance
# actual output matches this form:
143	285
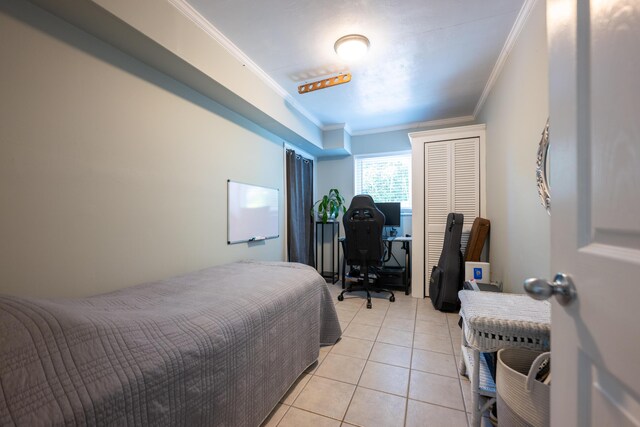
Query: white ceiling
429	59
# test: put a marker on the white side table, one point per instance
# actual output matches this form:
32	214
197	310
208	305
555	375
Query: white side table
491	321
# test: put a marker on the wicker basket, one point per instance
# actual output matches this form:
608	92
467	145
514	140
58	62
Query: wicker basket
522	401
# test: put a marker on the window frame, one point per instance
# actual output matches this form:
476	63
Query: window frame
403	211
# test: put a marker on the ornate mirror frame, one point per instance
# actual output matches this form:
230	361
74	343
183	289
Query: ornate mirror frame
542	169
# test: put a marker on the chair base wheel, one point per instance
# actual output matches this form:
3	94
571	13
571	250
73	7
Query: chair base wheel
368	305
340	297
392	298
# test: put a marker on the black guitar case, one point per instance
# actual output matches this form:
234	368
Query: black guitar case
447	276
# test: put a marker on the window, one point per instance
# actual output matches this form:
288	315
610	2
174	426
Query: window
386	178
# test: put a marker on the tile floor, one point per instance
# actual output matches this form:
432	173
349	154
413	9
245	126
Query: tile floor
394	366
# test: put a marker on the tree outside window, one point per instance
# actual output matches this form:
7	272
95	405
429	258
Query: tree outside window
385	178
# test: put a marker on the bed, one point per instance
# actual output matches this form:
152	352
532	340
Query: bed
218	347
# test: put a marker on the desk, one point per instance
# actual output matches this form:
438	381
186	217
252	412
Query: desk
491	321
389	241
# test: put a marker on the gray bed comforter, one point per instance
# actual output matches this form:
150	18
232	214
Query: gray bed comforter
218	347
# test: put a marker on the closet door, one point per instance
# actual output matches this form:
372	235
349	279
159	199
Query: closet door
465	170
452	184
437	188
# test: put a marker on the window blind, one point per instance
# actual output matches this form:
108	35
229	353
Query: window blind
386	178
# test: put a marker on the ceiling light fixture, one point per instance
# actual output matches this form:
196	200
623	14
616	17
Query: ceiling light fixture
323	84
351	47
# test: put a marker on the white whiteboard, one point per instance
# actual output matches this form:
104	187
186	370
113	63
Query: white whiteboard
252	212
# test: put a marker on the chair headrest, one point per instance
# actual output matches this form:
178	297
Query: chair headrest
363	207
361	201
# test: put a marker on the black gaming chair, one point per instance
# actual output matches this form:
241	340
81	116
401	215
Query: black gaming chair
364	247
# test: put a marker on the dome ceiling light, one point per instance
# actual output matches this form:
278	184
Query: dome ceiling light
351	47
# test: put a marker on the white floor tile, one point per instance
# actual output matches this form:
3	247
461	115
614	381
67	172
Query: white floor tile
401	355
297	417
365	332
373	408
435	363
420	414
341	368
395	336
401	324
385	378
325	397
431	342
436	389
391	354
354	347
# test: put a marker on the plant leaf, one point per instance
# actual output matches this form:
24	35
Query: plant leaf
330	205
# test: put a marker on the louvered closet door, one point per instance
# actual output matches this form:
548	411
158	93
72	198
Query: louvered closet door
452	184
466	183
437	187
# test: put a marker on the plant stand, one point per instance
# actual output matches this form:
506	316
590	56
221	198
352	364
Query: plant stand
332	274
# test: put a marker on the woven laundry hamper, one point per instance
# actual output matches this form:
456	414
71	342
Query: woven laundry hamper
522	401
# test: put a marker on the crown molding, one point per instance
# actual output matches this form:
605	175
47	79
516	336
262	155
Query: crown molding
518	25
416	125
447	131
344	126
187	10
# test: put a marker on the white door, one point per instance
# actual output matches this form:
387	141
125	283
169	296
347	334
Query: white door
451	184
594	66
447	175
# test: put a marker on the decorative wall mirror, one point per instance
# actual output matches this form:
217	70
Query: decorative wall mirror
542	169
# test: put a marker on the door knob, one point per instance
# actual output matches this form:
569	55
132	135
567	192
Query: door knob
562	287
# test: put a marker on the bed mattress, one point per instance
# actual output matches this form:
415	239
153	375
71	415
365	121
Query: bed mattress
217	347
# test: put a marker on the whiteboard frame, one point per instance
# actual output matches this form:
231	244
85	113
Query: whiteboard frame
253	239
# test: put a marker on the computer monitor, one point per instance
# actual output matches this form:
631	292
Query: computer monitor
391	211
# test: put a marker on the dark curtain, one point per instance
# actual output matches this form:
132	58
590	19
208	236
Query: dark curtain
299	201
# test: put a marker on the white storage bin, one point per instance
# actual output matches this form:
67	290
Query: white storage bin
522	401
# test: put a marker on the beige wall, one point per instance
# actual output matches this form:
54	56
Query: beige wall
515	113
112	174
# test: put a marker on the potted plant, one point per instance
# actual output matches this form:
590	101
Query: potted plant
329	206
